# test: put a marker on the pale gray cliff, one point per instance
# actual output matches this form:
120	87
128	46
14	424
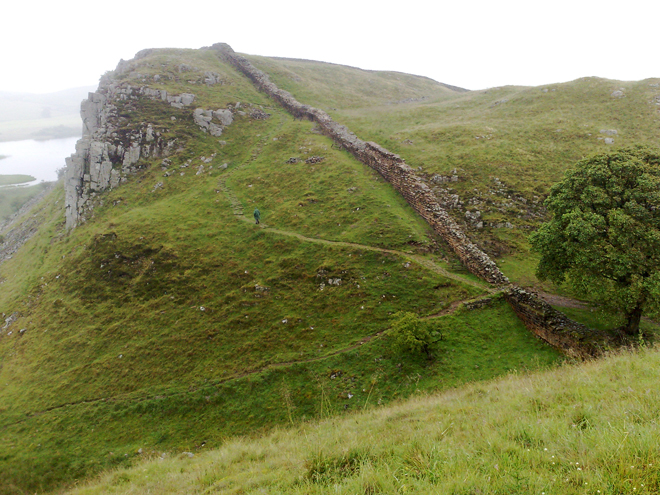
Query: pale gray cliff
110	150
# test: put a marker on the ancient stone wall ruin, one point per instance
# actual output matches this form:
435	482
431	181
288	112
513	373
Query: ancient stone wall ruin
392	167
572	338
538	316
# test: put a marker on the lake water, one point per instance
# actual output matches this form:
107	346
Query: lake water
40	159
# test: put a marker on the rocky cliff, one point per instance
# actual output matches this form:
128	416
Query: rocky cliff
112	145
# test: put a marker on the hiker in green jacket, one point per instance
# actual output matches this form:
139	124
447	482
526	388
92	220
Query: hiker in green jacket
257	215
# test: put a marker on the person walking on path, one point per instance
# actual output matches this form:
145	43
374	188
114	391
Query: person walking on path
257	215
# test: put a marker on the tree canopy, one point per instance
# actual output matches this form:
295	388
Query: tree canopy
411	334
604	236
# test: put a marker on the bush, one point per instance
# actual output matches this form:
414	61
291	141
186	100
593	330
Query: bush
412	335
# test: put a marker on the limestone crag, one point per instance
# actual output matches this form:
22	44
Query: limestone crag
108	152
205	120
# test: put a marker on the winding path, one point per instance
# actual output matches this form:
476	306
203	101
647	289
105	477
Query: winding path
238	210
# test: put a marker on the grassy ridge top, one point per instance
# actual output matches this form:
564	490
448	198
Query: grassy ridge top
170	321
332	87
491	156
572	430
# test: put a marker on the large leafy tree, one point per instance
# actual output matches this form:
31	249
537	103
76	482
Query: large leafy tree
604	236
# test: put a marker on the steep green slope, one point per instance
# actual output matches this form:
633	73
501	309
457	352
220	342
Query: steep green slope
490	156
587	429
170	321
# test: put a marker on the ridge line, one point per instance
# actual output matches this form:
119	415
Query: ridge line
553	326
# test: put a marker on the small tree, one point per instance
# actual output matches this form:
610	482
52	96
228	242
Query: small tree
411	334
604	237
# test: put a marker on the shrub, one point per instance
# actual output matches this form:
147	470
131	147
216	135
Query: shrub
413	335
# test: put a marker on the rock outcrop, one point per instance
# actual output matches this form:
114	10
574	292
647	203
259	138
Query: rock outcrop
205	120
111	148
107	153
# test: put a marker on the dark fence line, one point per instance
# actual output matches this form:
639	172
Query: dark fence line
538	316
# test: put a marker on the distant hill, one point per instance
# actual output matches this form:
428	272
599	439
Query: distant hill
41	116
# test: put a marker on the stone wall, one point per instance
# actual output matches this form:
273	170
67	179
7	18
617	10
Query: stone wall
539	317
392	167
572	338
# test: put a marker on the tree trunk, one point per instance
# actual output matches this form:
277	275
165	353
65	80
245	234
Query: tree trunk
632	325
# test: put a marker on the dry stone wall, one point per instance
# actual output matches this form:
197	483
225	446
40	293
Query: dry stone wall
539	317
572	338
392	167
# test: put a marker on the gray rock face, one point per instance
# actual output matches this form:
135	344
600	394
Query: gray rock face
104	157
205	120
609	132
211	78
182	100
617	94
224	116
203	117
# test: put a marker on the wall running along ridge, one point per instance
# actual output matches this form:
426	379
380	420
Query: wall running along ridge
538	316
393	168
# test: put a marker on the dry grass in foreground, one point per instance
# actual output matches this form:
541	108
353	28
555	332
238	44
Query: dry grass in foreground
590	428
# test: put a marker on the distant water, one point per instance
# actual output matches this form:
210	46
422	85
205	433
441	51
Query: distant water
40	159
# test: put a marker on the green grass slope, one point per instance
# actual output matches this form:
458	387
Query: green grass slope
334	87
491	156
169	321
13	197
588	429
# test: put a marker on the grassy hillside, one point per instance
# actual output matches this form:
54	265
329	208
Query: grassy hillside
13	197
588	429
169	321
498	150
334	87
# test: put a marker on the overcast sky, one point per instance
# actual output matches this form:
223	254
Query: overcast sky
53	45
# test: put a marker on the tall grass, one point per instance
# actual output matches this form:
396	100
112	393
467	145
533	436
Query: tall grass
584	429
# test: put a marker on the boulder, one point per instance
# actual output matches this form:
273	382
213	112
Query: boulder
225	117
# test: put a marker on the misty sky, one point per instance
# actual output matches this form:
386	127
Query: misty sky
48	46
